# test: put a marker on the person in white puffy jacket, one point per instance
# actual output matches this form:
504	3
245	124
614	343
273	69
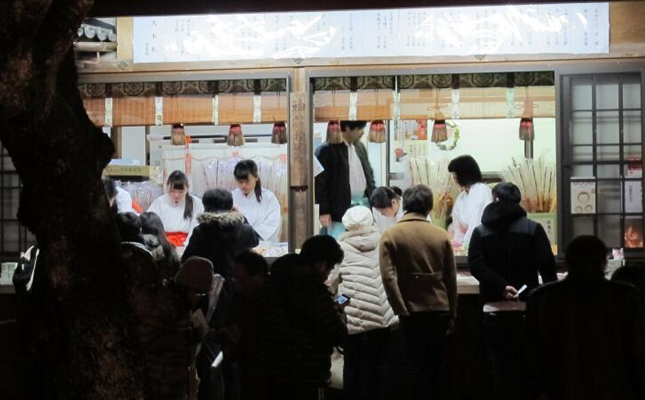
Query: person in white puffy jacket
366	372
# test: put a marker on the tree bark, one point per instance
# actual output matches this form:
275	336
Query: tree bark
78	311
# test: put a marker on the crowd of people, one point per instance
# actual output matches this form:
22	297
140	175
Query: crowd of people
390	269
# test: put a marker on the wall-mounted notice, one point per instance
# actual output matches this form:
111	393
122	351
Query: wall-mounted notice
581	28
583	196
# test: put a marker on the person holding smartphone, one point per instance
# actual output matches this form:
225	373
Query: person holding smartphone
366	372
507	254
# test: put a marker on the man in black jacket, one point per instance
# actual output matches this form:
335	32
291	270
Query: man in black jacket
302	323
347	178
506	252
586	333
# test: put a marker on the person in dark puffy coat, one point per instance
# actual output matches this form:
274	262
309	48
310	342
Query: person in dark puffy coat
508	251
222	233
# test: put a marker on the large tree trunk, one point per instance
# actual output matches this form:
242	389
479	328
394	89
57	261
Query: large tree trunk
79	307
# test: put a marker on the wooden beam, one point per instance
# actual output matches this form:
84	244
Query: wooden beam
627	40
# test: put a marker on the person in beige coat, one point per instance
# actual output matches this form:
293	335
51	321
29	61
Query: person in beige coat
366	372
420	279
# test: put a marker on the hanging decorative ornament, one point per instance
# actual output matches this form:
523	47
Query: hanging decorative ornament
439	130
333	132
527	131
279	133
378	133
235	136
453	129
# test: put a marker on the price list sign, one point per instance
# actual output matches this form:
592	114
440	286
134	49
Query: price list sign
581	28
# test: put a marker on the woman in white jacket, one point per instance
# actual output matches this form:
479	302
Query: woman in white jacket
366	372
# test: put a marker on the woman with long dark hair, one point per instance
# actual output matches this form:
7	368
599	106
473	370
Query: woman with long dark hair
154	237
260	206
177	209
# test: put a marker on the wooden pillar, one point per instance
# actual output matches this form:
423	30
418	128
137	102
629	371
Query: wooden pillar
124	34
300	166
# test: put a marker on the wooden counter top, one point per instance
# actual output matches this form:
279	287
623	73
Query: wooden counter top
7	289
466	284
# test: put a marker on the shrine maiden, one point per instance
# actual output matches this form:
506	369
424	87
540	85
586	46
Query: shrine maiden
386	206
475	196
177	209
260	206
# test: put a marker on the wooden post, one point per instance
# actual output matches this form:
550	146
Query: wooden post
300	153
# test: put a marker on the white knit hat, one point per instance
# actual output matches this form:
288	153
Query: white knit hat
358	217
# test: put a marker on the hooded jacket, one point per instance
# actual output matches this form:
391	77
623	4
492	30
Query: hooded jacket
508	249
333	193
359	277
219	237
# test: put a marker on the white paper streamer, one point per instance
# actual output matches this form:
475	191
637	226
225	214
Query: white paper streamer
216	109
108	112
158	111
455	103
510	102
353	106
396	111
257	108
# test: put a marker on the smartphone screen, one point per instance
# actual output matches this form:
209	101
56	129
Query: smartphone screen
342	299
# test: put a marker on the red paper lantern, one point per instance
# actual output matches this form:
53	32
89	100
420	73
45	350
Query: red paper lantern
235	136
279	133
333	132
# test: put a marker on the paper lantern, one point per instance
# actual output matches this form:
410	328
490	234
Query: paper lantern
235	136
333	132
378	134
279	133
527	131
439	130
